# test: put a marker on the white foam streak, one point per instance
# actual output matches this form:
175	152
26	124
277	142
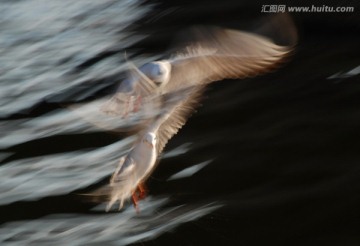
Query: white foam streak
341	75
36	177
187	172
36	57
182	149
116	228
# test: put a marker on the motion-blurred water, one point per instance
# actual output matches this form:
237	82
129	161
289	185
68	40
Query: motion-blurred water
58	53
267	160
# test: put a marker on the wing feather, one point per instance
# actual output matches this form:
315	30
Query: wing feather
225	54
179	107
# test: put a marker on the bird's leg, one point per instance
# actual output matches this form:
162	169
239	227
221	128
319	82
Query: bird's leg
134	199
142	191
137	195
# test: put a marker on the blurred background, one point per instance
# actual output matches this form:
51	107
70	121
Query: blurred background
271	160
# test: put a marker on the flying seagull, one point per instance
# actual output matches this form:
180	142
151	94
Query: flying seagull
218	54
128	179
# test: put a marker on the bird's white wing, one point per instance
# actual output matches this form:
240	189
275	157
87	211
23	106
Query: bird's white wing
225	54
123	171
178	106
137	86
121	184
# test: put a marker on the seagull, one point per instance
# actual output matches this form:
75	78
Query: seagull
218	54
128	179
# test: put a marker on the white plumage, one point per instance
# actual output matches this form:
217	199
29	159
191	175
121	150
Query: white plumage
133	169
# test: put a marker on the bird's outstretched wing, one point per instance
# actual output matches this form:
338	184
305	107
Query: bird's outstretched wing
137	86
225	54
120	187
178	106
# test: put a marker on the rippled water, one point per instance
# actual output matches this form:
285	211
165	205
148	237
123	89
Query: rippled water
268	160
59	53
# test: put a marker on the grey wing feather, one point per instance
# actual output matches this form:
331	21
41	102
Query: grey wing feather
176	114
225	54
137	84
123	171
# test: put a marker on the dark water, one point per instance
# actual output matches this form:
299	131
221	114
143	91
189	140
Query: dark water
275	159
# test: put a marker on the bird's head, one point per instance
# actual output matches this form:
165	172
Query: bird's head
149	139
158	71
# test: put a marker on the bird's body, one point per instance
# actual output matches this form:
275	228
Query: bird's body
143	155
133	169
